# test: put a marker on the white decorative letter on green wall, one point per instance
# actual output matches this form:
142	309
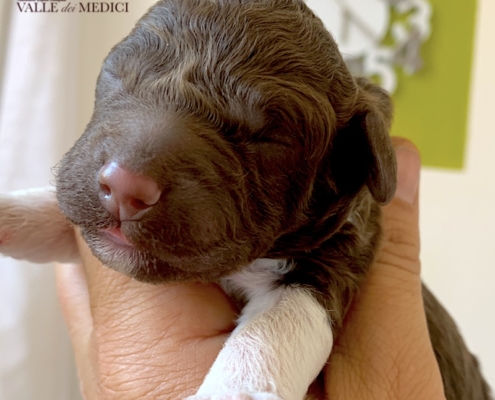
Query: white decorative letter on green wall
421	52
363	29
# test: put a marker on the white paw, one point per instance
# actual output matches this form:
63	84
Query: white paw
236	396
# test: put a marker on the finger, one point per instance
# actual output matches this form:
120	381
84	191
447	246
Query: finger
187	310
72	291
401	244
383	350
409	162
73	295
172	330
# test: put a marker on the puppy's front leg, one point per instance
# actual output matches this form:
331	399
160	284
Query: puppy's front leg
32	227
280	345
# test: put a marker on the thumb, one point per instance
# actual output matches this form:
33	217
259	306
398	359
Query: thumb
401	244
383	350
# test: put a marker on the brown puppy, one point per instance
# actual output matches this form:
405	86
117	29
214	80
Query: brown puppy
258	138
229	143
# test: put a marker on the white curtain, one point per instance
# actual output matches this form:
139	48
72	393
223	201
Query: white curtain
48	69
37	125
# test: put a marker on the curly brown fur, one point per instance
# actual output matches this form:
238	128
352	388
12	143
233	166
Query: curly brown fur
261	141
257	134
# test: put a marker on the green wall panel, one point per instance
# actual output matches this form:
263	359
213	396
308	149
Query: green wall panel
431	107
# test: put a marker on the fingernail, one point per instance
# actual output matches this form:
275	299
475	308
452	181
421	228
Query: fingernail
408	165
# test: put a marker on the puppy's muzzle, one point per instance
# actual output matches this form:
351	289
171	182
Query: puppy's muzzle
125	194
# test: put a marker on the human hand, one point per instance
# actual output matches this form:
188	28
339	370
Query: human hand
137	341
384	350
133	340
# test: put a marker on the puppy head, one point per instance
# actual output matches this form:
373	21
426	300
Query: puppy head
239	125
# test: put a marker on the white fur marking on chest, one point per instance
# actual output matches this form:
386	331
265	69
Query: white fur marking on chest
281	343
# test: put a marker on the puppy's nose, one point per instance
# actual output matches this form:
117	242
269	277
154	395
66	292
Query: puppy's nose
125	194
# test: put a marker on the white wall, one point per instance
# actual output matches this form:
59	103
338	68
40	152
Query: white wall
458	212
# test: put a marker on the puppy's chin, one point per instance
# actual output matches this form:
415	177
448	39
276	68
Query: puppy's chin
145	267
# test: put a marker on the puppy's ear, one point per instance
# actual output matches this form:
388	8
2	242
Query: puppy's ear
362	152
